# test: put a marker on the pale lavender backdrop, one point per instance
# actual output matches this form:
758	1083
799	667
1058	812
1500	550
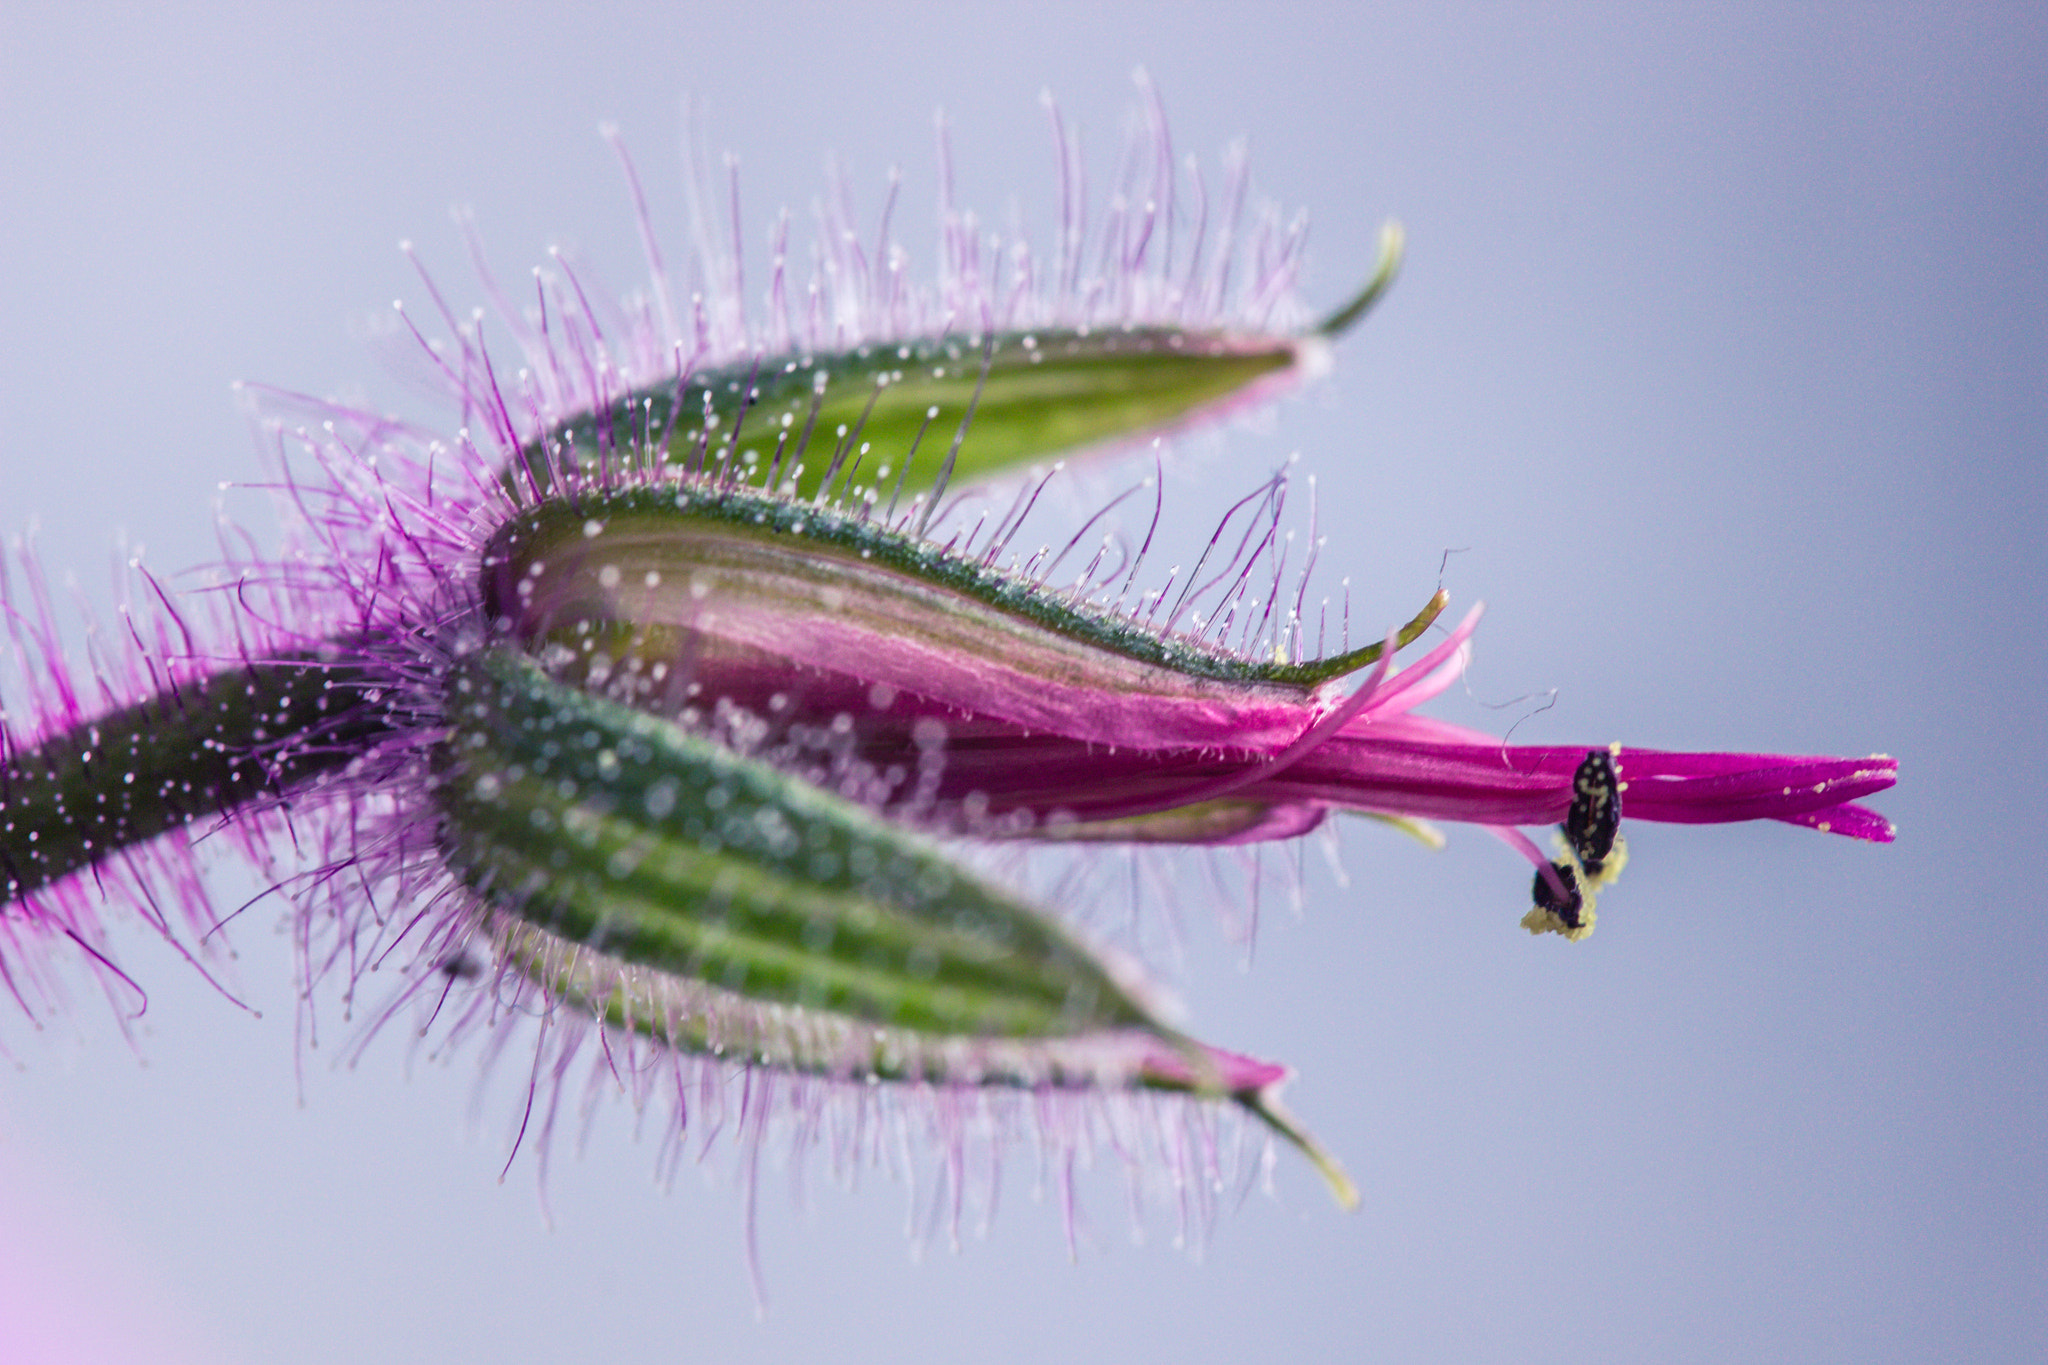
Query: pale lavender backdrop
1720	352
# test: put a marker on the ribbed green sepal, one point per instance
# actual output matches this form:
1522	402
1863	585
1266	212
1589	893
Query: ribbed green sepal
620	832
883	420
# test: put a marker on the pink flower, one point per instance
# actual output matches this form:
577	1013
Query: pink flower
626	712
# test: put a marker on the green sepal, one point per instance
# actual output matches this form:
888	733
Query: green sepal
801	559
620	831
855	417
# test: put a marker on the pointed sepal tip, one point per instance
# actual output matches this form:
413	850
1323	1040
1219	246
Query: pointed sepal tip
1393	244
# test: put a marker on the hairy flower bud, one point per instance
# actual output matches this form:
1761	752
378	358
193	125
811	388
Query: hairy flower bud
942	689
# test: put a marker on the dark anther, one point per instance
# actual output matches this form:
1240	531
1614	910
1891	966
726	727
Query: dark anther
1594	820
461	967
1546	899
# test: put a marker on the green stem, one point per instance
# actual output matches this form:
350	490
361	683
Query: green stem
260	732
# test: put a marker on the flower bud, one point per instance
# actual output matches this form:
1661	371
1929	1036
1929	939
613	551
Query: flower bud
943	690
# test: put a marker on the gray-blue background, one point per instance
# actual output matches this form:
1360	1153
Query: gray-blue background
1721	346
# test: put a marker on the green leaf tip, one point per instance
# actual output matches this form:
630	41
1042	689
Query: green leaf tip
1393	242
1266	1105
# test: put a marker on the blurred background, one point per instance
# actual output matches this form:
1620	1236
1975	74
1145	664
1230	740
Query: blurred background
1720	357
